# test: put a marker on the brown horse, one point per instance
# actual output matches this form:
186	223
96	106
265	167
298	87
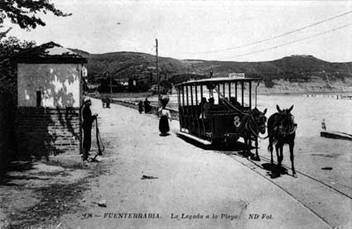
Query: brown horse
253	123
282	130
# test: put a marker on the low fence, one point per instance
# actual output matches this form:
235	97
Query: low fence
154	109
134	105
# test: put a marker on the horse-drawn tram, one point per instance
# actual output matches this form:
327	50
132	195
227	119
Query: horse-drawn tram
218	110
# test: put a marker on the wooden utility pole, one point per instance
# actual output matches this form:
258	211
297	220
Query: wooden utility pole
157	67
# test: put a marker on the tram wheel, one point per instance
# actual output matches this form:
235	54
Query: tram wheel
216	142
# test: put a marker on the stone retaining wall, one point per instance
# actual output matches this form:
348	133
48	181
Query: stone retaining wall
45	131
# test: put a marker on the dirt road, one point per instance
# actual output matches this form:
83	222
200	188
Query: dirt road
165	182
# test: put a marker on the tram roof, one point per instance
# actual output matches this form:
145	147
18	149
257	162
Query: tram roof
217	80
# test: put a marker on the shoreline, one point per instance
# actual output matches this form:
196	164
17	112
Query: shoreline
307	93
138	95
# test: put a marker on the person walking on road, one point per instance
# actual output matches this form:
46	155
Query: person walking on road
88	120
165	115
140	106
147	107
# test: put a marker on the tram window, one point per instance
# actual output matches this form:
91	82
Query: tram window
246	94
215	97
224	92
187	96
206	93
193	95
238	95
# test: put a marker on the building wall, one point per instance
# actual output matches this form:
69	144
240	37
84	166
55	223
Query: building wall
7	131
53	127
47	131
58	83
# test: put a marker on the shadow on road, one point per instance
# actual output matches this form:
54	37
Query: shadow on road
16	166
228	148
238	149
274	170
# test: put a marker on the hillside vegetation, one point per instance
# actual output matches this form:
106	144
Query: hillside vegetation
292	73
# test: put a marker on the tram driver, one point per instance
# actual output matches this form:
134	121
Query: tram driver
234	102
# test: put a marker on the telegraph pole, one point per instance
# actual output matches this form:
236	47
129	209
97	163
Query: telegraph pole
157	67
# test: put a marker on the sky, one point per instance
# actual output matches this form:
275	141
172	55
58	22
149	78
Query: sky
202	29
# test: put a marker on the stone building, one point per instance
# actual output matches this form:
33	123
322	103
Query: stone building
49	97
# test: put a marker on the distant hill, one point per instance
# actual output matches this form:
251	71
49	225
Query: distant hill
297	65
296	68
122	65
81	52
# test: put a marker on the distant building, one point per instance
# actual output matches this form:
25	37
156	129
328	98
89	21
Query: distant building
49	95
236	75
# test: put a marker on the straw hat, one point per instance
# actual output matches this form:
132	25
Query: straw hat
86	100
165	98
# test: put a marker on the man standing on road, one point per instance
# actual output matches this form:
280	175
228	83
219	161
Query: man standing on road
88	120
147	107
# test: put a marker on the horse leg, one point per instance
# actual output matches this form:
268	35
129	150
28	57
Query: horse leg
277	148
249	145
256	148
248	150
270	148
281	153
256	156
292	159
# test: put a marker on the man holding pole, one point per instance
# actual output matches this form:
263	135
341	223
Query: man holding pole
88	120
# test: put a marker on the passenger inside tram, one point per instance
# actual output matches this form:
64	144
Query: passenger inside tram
234	102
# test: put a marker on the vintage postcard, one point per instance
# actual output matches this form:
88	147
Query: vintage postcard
175	114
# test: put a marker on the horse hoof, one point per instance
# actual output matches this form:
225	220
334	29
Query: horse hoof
274	175
255	158
294	175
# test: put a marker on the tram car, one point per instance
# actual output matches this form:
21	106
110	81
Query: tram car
218	110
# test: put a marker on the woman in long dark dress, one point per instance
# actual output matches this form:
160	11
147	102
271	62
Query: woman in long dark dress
165	115
140	107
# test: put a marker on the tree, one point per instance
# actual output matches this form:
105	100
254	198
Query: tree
8	48
25	12
166	86
12	45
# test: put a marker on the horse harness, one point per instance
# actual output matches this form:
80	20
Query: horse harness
286	131
248	126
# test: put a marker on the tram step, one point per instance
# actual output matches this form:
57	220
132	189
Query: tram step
202	141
